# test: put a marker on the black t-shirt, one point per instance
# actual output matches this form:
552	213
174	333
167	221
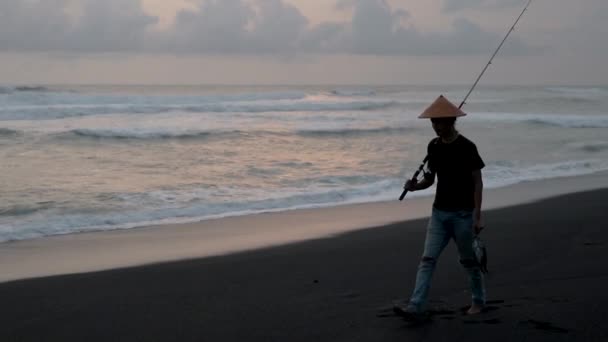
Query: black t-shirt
454	164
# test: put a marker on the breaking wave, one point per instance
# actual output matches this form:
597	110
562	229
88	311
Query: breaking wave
578	91
352	131
168	133
353	92
6	132
558	120
39	89
134	134
345	189
23	209
30	89
505	173
64	111
199	209
573	122
590	146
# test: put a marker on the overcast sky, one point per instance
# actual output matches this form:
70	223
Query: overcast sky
301	41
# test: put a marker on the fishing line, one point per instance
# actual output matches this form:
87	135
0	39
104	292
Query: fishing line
494	55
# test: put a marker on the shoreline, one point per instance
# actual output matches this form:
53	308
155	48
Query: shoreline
105	250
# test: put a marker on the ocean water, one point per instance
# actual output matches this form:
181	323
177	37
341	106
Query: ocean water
86	158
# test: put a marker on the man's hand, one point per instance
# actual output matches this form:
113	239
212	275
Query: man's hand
410	185
477	226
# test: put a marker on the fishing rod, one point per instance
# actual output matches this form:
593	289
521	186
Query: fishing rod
421	167
495	53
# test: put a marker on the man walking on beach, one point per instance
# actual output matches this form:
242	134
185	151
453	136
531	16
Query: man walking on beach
456	210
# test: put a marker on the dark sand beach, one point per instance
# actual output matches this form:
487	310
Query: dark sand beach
548	275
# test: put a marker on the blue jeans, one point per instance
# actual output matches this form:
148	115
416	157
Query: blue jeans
443	226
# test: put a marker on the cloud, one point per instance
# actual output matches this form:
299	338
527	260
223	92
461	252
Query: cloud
233	27
377	29
21	27
103	26
278	25
110	25
218	26
459	5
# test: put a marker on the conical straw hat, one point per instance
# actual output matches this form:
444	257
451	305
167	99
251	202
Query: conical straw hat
441	108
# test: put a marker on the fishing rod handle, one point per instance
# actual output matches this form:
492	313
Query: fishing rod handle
405	191
403	195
